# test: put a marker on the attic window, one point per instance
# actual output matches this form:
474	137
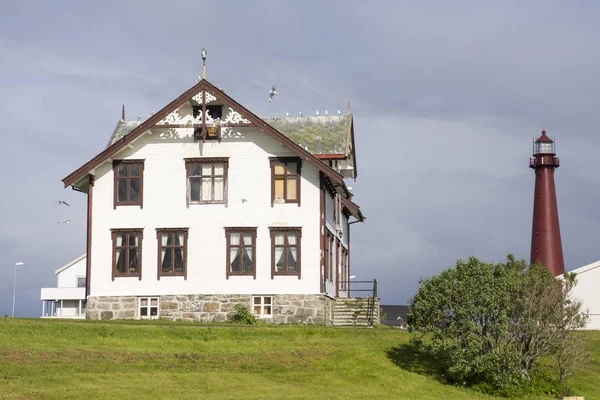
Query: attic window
213	132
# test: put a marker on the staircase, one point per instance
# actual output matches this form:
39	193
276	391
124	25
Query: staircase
356	311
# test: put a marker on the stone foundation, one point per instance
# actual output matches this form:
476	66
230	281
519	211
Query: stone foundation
126	307
287	308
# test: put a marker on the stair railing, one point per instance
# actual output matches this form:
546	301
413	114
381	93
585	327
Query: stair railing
372	303
372	291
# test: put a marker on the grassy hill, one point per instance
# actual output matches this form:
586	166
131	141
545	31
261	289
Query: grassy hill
52	359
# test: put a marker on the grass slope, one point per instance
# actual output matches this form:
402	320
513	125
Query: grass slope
51	359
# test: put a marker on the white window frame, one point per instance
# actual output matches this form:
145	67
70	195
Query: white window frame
262	306
149	307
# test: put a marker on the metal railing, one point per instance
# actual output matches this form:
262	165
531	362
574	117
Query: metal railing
371	291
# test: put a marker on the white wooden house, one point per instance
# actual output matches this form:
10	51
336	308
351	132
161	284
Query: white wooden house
205	205
67	299
586	291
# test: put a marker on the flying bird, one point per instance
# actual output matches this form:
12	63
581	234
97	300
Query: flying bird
326	113
300	113
59	202
64	222
339	112
272	93
317	113
287	114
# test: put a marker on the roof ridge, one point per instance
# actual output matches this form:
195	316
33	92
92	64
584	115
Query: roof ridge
202	85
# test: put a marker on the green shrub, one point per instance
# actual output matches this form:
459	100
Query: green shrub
242	315
489	325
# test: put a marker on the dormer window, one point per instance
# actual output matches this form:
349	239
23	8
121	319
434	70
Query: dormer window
285	180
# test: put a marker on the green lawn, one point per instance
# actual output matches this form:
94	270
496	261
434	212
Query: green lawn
50	359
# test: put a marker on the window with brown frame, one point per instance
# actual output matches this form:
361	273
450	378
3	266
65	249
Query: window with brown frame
286	251
129	182
241	251
206	180
328	256
331	251
285	180
345	271
172	251
127	253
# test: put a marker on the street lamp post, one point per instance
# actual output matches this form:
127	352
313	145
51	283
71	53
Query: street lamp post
15	287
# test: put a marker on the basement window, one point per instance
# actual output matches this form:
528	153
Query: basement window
262	306
149	307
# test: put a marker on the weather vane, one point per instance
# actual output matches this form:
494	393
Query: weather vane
203	54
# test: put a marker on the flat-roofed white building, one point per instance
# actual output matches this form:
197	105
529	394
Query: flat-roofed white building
67	299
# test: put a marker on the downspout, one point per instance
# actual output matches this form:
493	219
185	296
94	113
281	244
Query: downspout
88	275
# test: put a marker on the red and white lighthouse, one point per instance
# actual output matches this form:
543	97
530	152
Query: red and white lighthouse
546	245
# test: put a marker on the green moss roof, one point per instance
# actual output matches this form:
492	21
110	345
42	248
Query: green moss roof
316	134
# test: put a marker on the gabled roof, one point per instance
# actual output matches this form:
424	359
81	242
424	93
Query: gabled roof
325	134
70	263
123	128
119	144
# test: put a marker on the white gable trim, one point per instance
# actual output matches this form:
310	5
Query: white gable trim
71	263
586	268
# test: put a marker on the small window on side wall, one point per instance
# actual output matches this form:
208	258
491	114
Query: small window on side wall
285	180
129	183
81	281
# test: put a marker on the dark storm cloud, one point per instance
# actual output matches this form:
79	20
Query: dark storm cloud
446	99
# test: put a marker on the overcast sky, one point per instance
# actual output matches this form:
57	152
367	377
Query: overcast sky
446	96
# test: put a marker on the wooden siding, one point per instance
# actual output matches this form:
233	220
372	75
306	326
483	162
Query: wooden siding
249	205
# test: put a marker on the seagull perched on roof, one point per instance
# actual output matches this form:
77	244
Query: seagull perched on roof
64	222
272	93
59	202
